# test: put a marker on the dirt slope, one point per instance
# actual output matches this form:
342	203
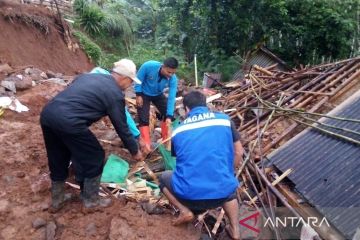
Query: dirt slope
31	36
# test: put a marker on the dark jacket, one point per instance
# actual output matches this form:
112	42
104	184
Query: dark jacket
89	98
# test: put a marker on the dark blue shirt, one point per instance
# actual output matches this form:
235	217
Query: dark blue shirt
89	98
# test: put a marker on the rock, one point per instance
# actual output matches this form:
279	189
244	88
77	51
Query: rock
44	75
151	208
38	223
27	71
34	73
91	229
2	90
44	206
57	80
8	179
41	184
68	78
141	233
4	206
5	68
24	83
40	206
20	174
50	74
10	85
13	78
21	82
59	75
50	231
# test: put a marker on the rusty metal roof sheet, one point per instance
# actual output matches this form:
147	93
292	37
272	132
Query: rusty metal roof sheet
262	57
327	168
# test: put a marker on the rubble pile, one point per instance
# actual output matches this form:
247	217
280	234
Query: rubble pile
268	93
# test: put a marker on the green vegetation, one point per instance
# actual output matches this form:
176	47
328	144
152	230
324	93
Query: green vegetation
221	32
91	19
92	49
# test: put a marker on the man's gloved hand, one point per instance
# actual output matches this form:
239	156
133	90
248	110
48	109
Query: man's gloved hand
138	156
139	101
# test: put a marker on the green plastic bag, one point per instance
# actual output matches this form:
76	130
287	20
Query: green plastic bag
169	161
115	170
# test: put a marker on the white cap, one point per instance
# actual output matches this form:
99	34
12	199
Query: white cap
127	68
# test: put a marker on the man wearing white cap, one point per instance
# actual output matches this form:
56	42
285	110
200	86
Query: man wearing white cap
65	122
130	121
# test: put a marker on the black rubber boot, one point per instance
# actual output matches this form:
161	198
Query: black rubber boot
58	196
91	200
81	184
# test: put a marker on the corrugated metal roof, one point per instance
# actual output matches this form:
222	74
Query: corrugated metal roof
263	58
327	168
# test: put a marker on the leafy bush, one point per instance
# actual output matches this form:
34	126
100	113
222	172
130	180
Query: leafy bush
221	63
91	19
107	60
91	49
116	24
79	6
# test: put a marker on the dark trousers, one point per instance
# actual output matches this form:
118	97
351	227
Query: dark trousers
160	103
83	149
197	206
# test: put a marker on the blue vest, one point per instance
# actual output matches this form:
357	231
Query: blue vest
204	149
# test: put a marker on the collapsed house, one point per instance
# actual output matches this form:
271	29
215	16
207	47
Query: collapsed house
269	107
262	57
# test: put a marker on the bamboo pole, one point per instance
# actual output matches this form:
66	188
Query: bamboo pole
276	181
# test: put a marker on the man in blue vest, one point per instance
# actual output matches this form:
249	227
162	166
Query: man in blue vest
207	149
155	77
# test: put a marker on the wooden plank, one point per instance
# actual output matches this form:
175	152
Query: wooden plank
263	70
276	181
